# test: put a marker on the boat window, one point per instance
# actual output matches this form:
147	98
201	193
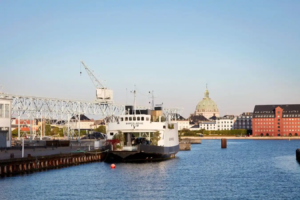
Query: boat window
138	118
126	118
130	118
121	118
142	119
111	133
134	118
147	118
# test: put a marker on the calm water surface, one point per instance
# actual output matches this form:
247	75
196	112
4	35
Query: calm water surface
247	169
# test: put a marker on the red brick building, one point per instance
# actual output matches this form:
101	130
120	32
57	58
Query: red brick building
276	120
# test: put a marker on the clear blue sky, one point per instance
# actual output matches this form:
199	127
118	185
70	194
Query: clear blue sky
247	51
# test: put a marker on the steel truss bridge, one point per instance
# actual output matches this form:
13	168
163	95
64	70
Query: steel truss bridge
63	110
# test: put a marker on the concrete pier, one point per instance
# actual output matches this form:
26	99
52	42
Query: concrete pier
191	140
184	146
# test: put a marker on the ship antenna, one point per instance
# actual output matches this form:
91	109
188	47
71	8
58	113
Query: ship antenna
152	100
134	100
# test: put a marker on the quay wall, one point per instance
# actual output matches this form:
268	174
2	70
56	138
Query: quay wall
39	163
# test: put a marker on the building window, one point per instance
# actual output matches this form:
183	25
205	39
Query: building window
6	111
1	110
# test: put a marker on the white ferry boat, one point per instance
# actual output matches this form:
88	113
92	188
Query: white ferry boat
142	135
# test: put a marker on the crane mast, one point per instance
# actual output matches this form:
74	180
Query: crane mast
103	94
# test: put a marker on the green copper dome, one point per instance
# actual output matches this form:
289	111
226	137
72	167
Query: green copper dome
206	104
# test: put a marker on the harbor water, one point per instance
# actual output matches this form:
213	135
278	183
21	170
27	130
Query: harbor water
247	169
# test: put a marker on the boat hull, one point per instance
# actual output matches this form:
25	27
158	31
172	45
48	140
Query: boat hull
144	153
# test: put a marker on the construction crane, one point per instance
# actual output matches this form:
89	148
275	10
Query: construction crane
103	94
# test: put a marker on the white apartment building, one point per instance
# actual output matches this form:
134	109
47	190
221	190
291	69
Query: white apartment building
183	124
221	123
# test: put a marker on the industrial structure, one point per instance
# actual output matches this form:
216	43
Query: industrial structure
103	94
47	110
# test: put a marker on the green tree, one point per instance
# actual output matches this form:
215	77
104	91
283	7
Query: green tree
119	136
55	131
155	138
48	129
14	133
101	129
163	119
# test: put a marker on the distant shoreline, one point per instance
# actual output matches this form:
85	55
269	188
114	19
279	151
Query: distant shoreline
240	138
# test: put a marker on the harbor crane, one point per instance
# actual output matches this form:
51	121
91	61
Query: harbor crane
103	94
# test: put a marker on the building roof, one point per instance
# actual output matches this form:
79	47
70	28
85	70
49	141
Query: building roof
246	114
262	110
207	104
197	118
213	118
179	117
82	117
226	117
210	122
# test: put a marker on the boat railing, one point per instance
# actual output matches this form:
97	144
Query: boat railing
129	148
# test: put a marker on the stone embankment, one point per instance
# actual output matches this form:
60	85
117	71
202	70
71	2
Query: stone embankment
185	143
192	140
184	146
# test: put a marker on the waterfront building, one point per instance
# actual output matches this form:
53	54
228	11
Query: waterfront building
209	125
5	122
182	124
84	124
221	123
276	120
244	121
207	107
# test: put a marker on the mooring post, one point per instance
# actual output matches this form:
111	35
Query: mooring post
23	147
298	155
223	143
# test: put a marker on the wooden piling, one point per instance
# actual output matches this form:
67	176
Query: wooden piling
223	143
298	154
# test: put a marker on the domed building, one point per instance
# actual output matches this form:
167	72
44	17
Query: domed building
207	107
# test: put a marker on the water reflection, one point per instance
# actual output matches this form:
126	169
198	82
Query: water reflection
247	169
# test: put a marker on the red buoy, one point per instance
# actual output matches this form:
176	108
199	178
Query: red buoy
112	166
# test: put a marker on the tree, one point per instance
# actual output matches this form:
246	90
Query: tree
156	137
55	131
47	129
101	129
15	133
119	136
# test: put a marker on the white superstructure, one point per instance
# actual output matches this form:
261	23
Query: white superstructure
142	126
5	122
